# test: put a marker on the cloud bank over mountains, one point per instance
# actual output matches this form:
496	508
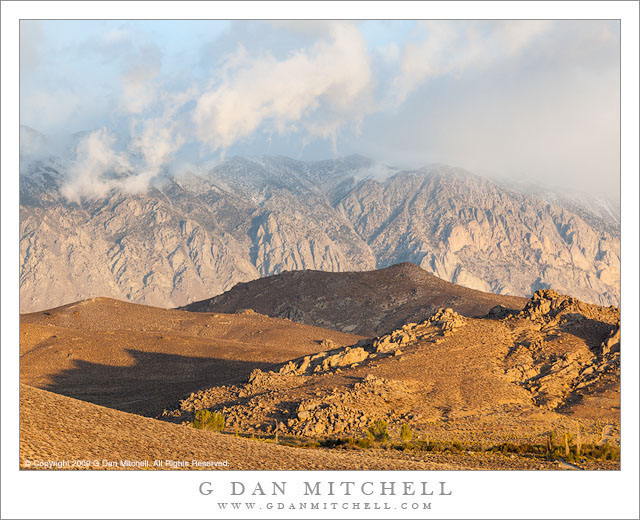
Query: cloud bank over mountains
518	99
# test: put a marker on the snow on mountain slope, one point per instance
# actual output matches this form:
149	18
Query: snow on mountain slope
194	236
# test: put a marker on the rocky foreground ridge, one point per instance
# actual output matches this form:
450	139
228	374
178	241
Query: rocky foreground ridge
512	374
194	236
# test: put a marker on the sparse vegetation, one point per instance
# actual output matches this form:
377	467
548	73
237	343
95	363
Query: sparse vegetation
575	451
405	433
377	436
208	420
378	431
347	443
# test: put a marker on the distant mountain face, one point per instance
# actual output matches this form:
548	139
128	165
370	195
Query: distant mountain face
192	237
474	233
600	212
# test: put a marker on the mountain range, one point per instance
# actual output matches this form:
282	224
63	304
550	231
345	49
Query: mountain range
196	235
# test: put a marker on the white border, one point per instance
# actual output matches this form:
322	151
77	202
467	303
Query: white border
174	494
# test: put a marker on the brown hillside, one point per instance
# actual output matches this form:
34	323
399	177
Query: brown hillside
510	376
141	359
58	428
55	428
506	377
367	303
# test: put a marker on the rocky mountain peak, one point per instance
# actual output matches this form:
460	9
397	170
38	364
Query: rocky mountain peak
196	236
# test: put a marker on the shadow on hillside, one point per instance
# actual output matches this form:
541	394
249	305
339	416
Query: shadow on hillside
592	332
154	382
499	312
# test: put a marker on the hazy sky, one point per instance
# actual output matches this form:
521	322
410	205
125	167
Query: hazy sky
527	100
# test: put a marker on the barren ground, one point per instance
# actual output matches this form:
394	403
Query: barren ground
511	376
58	428
142	359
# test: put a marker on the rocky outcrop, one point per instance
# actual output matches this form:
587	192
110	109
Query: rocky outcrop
323	361
547	304
339	410
538	360
612	344
553	364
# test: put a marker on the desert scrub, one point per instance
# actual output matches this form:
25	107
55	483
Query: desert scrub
207	420
519	449
603	452
405	433
346	443
575	450
378	431
361	443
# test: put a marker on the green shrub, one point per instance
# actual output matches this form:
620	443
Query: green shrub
604	452
345	443
361	443
572	449
207	420
331	443
457	446
405	433
378	431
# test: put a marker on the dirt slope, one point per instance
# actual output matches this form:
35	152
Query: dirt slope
59	429
141	359
56	428
509	376
367	303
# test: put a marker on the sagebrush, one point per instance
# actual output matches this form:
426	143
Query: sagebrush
378	431
208	420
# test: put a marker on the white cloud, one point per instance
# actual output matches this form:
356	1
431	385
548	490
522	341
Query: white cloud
516	35
31	42
153	142
543	108
510	96
117	35
310	28
389	53
454	47
318	90
95	158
